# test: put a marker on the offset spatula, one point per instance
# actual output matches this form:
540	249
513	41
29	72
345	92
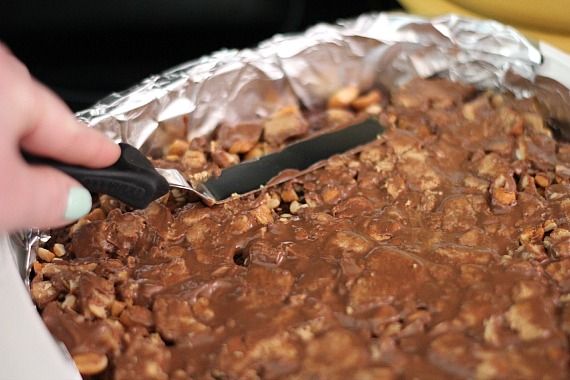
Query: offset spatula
134	181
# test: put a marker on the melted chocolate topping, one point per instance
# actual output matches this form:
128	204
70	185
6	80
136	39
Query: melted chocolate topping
442	250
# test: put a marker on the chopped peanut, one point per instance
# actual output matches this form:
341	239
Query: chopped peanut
59	250
90	363
343	97
45	254
284	124
364	101
178	148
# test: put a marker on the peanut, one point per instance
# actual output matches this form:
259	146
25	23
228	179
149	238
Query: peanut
69	301
38	267
273	201
338	116
90	363
96	214
97	310
288	194
172	158
330	194
343	97
177	148
257	151
296	206
59	249
45	255
549	225
286	123
562	170
504	197
194	159
374	109
364	101
263	214
542	179
531	234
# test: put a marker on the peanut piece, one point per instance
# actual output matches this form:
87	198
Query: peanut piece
504	197
503	191
338	116
296	206
90	363
37	267
239	138
330	194
286	123
108	203
263	214
476	183
288	194
240	224
43	292
471	109
531	234
96	214
364	101
562	171
549	225
69	301
257	151
273	201
98	311
542	179
59	249
534	124
525	320
497	100
202	309
374	109
343	97
224	159
172	158
194	159
177	148
45	255
198	233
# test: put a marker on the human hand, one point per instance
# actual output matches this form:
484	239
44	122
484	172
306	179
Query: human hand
32	118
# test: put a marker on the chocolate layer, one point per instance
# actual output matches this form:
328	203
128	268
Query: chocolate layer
442	250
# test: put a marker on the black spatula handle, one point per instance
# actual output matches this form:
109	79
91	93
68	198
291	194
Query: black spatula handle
132	179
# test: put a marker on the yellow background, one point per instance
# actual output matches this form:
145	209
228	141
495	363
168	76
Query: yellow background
546	20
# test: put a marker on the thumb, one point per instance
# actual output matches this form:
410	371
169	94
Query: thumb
42	197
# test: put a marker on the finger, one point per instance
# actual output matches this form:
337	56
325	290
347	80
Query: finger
55	133
42	197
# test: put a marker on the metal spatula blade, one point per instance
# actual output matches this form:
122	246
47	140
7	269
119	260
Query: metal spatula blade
134	181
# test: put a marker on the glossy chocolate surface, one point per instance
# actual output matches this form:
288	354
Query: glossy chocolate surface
442	250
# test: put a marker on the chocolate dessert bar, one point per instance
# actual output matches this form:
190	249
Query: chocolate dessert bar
441	250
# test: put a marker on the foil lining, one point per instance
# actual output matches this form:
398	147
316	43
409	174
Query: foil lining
385	49
26	243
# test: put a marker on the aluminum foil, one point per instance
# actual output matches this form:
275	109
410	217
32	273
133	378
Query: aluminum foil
385	49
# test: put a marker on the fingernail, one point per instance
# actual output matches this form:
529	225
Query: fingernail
78	203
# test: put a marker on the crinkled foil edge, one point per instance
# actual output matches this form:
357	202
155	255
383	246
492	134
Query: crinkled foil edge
379	48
